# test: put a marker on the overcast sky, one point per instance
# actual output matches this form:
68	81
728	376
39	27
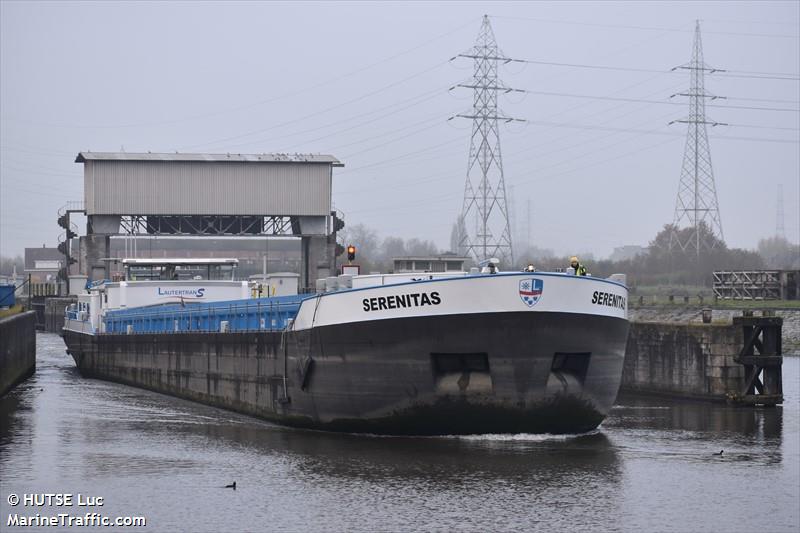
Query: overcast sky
368	83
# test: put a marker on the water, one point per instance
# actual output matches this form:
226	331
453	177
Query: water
648	468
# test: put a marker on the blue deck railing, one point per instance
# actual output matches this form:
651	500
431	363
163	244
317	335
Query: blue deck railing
260	314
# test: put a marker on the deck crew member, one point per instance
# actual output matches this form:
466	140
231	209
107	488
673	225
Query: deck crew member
580	270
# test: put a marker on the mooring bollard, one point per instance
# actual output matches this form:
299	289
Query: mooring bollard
706	315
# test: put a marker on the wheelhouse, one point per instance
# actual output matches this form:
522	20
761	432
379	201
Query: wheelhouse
223	269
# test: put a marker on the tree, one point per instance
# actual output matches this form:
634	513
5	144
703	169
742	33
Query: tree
366	242
7	265
457	236
393	247
779	253
422	248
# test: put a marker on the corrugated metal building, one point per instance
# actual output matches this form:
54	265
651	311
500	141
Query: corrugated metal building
207	184
209	194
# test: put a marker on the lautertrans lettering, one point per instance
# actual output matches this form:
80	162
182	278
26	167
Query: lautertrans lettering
186	293
401	301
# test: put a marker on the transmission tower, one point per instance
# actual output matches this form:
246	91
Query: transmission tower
697	206
780	229
485	210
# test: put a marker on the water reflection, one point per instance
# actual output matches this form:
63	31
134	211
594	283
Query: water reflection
550	459
169	458
12	416
764	423
695	430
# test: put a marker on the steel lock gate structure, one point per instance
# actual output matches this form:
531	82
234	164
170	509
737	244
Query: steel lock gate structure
757	285
203	195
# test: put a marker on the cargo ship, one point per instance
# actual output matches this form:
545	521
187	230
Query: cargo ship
400	354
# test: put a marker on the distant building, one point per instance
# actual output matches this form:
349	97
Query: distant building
43	264
440	263
624	253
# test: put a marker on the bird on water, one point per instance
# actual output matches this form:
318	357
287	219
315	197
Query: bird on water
231	486
720	453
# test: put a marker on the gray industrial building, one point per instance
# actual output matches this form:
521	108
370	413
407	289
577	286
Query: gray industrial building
204	195
43	264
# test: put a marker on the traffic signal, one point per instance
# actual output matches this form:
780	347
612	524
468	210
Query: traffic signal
351	252
338	223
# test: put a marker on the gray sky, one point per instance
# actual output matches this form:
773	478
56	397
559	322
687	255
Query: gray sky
368	83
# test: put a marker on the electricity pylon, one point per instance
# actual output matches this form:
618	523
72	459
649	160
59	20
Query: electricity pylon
485	209
697	205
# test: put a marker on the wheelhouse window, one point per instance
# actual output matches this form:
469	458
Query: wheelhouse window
177	271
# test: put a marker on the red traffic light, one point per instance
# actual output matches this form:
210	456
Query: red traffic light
351	252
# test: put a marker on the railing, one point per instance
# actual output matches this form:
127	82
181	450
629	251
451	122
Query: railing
72	206
748	285
264	314
44	289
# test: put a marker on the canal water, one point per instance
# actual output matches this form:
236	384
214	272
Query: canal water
650	467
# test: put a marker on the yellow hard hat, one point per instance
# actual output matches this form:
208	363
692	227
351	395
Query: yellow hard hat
573	259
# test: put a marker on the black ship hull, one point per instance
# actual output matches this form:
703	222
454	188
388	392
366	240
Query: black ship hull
512	372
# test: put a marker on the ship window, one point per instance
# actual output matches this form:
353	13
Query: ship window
446	363
576	364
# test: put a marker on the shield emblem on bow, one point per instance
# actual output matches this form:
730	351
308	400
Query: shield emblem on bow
530	290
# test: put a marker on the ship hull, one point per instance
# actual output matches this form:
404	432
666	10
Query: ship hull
512	372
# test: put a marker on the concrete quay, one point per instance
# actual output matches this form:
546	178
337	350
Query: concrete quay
723	361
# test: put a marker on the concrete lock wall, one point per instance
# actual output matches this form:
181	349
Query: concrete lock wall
685	360
790	332
17	349
54	313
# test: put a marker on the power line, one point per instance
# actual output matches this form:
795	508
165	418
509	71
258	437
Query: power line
321	111
644	28
415	100
661	102
617	116
761	76
751	22
763	127
437	120
403	156
726	73
437	123
267	100
771	100
652	132
596	163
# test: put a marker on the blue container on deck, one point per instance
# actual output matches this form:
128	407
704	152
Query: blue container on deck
260	314
7	295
